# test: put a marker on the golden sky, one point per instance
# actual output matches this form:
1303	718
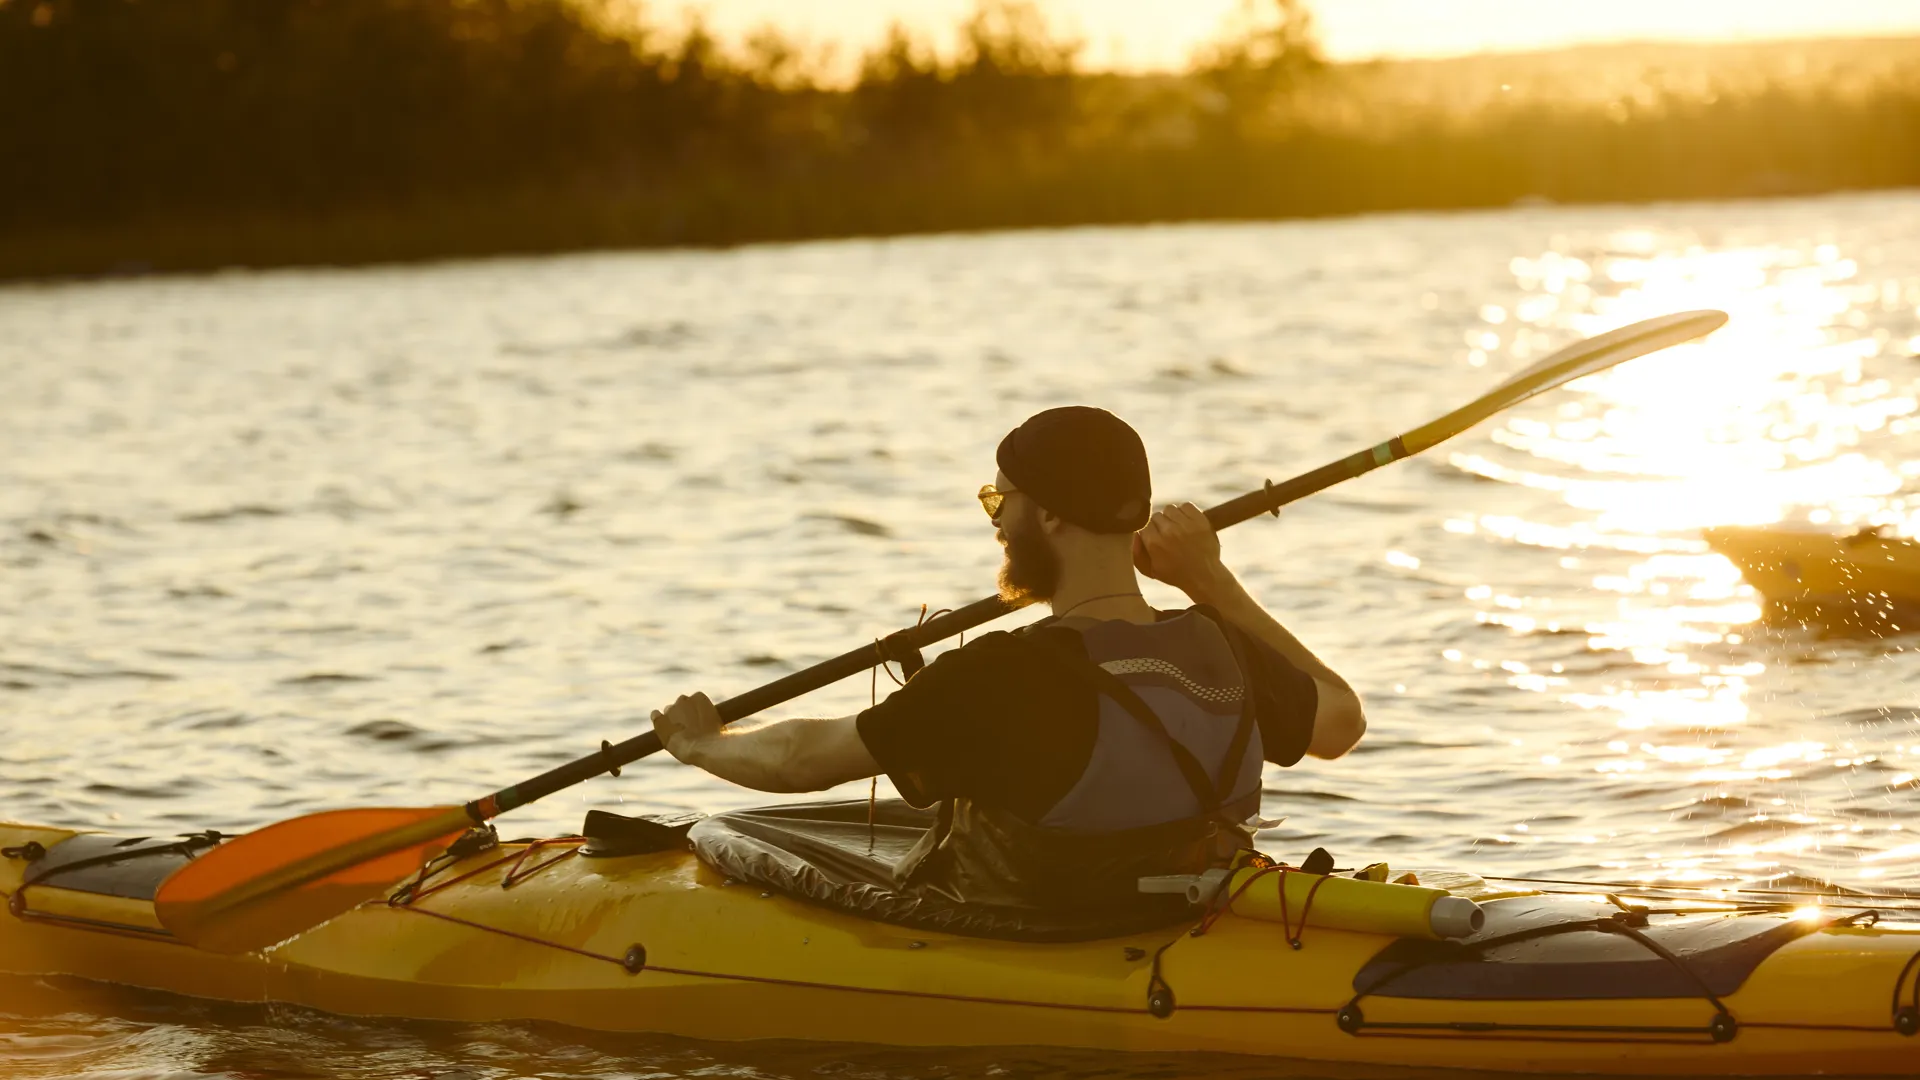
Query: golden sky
1162	33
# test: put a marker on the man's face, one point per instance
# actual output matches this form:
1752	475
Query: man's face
1031	570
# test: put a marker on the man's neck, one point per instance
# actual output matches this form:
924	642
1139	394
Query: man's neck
1098	591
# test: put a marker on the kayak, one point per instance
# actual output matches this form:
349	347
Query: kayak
1865	578
659	941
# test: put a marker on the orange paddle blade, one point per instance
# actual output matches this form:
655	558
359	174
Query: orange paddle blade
267	886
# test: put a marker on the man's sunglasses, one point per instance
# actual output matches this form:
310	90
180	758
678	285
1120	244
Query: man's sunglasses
992	498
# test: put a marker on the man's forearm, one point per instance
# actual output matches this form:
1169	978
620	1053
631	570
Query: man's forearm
784	755
1339	718
755	757
1179	546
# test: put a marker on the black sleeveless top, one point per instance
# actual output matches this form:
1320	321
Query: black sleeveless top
1168	762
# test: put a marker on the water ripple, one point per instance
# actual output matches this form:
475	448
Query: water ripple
300	540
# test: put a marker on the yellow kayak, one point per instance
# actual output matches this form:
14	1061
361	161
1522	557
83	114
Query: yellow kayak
660	942
1875	578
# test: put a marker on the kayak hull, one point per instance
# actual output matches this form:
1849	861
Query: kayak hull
659	943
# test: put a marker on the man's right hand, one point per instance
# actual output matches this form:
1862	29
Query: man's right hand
1179	546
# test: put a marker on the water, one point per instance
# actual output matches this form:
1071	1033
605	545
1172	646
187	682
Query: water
276	542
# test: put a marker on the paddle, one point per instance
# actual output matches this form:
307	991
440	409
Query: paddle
269	885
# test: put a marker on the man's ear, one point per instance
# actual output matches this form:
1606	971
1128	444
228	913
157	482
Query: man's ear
1050	522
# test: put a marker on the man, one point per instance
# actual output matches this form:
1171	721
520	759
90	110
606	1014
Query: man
1107	743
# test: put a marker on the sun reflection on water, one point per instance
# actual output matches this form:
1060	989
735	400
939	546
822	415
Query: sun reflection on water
1801	409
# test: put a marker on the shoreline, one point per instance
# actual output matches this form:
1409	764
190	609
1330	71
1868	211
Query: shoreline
128	270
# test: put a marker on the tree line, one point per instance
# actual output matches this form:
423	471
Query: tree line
178	134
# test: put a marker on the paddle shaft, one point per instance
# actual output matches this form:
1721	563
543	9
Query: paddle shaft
612	756
1581	358
277	882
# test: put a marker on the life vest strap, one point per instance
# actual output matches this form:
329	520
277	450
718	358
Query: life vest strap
1209	792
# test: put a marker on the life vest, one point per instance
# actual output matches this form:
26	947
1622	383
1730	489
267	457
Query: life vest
1173	774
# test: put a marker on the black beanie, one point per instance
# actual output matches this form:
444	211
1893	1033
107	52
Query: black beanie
1082	463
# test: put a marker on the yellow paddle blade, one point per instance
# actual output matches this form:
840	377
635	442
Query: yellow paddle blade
267	886
1576	361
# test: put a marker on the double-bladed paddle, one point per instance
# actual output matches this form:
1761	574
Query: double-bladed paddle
268	885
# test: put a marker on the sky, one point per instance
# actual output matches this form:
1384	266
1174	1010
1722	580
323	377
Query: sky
1140	34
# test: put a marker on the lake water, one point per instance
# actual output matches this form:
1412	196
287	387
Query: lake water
276	542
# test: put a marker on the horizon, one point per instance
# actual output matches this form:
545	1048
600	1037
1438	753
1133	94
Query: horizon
1147	35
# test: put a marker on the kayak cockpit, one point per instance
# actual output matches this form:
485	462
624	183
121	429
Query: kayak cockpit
844	855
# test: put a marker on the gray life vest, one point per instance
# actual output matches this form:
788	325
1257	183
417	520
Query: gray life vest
1177	738
1174	772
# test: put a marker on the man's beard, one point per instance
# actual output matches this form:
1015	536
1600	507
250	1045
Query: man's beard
1031	571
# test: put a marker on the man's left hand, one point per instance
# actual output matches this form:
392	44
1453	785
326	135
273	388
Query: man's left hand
687	725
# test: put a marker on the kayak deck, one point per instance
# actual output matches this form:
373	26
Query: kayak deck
660	943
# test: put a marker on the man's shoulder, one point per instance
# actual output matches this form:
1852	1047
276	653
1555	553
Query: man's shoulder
1022	657
1208	620
1004	674
1011	646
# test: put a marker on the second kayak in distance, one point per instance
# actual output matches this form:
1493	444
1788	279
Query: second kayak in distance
1860	583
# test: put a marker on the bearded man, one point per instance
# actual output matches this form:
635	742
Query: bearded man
1106	743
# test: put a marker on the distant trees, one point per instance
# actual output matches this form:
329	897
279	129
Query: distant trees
1012	90
182	133
1268	54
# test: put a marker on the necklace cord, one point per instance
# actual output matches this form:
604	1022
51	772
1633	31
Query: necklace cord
1096	599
